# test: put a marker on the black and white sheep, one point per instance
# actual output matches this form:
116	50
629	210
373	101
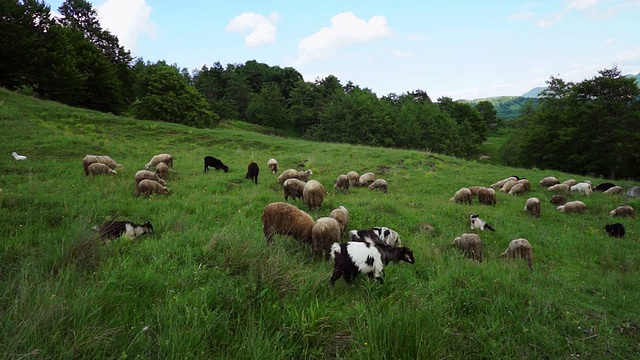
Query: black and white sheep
293	188
253	170
324	233
121	228
388	236
573	207
148	187
470	244
532	206
352	258
341	214
519	249
477	223
615	230
285	219
272	164
313	194
99	169
160	158
146	174
462	196
210	161
623	210
379	184
342	183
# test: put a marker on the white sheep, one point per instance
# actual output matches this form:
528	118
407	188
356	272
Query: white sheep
549	181
293	188
508	185
470	244
288	174
156	159
623	210
18	157
615	190
559	188
583	187
272	164
379	184
486	196
341	214
313	194
462	196
570	182
148	187
366	179
572	207
342	183
500	184
353	177
532	206
146	174
324	233
98	169
519	248
517	189
304	174
102	159
162	169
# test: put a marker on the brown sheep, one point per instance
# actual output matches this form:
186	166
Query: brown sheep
285	219
526	183
162	169
98	169
253	170
288	174
324	233
549	181
532	206
573	207
313	194
519	249
102	159
341	214
293	188
155	160
353	177
272	164
558	199
146	174
379	184
475	189
487	196
304	175
148	187
342	183
623	210
471	245
462	196
366	179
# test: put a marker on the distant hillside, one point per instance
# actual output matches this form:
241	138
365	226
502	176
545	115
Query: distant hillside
507	107
534	93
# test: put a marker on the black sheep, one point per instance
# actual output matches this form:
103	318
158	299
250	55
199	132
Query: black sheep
252	172
604	186
210	161
615	230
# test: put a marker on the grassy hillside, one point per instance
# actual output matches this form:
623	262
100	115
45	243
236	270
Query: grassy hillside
205	285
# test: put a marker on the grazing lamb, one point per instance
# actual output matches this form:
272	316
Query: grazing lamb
487	196
462	196
558	199
379	184
148	187
341	214
388	236
517	189
616	190
623	210
102	159
156	159
366	179
293	188
500	184
324	233
288	174
352	258
470	244
18	157
549	181
559	188
342	183
477	223
633	192
99	169
285	219
615	230
210	161
162	169
353	177
272	164
146	174
520	249
369	236
583	187
508	185
252	172
532	206
573	207
116	228
313	194
304	175
604	186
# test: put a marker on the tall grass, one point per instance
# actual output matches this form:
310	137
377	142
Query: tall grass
205	285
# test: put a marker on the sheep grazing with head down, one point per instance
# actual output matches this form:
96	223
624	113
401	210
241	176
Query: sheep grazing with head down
583	187
313	194
573	207
615	230
288	174
549	181
102	159
532	206
462	196
162	169
341	214
604	186
559	188
470	244
623	211
18	157
353	257
146	174
210	161
500	183
558	199
366	179
272	164
304	175
99	169
517	189
570	182
474	190
342	183
148	187
324	233
379	184
615	190
252	172
293	188
285	219
519	249
487	196
353	177
156	159
388	236
508	185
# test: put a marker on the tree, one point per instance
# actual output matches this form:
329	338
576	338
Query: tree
489	114
267	108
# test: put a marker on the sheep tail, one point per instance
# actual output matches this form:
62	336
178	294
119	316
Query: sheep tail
489	227
335	249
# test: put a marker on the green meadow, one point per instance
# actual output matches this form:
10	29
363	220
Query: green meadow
206	286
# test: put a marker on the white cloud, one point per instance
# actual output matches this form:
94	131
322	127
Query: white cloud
402	54
609	41
544	23
524	13
582	4
629	56
128	20
263	28
346	29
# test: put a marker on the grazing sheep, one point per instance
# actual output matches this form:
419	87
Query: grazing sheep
526	183
146	174
18	157
352	258
369	236
148	187
324	233
272	164
98	169
475	189
623	210
604	186
293	188
366	179
288	174
313	194
559	188
573	207
583	187
342	183
156	159
341	214
520	249
252	172
388	236
285	219
116	228
570	182
162	169
102	159
508	185
616	190
615	230
462	196
210	161
558	199
633	192
532	206
500	184
304	175
379	184
549	181
487	196
477	223
353	177
517	189
470	244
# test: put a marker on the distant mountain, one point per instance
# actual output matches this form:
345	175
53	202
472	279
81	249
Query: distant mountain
534	93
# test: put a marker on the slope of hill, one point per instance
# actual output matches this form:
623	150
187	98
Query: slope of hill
206	285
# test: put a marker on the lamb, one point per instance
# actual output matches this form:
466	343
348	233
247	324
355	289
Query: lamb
388	236
604	186
293	188
285	219
324	233
559	188
342	183
462	196
313	194
252	172
379	184
102	159
470	244
532	206
487	196
500	184
517	189
353	177
156	159
210	161
98	169
615	230
366	179
558	199
583	188
146	174
477	223
508	185
622	211
148	187
120	228
341	214
352	258
304	175
368	236
520	248
18	157
549	181
616	190
573	207
162	169
272	164
288	174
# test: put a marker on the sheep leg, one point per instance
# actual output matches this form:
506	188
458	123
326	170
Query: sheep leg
336	275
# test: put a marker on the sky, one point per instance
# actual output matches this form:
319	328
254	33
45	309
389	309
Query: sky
459	49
